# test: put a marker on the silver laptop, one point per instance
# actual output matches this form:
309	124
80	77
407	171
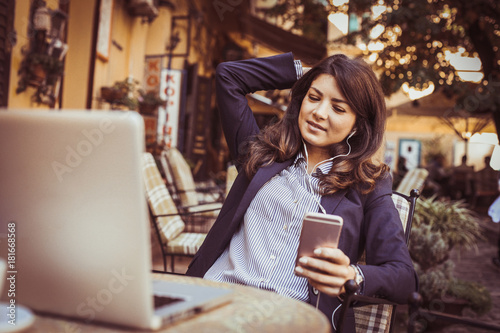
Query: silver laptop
72	189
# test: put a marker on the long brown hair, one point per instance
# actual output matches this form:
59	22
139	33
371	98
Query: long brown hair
282	140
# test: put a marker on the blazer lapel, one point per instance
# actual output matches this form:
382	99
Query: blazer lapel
331	202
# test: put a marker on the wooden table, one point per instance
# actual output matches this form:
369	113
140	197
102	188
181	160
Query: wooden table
251	310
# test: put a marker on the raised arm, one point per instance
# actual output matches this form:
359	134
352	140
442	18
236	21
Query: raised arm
234	80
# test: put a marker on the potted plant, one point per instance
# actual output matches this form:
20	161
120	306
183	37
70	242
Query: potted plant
39	69
149	102
121	93
439	226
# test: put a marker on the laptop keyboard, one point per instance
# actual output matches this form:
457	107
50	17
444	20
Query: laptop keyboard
165	300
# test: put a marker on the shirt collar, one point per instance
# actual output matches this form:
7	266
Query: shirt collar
322	168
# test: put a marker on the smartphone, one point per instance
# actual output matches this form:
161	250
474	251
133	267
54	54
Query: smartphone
319	230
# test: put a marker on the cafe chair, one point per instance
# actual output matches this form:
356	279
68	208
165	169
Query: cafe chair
181	181
199	214
419	318
413	179
379	314
232	172
168	223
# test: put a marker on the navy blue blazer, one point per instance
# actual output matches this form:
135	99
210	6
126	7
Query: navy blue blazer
371	222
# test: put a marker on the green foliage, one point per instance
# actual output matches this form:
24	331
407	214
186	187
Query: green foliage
121	93
42	72
427	247
436	281
308	16
438	227
477	295
453	219
150	98
417	35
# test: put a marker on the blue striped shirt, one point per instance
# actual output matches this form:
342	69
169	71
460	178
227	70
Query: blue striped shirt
262	252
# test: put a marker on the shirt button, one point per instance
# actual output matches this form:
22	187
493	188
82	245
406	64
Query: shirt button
315	291
285	227
272	257
295	201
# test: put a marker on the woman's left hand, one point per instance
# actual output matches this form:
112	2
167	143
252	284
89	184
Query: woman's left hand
327	271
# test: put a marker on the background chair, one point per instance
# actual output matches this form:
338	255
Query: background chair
414	179
192	202
232	172
181	182
379	314
168	225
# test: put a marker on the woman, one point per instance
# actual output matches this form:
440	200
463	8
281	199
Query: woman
317	158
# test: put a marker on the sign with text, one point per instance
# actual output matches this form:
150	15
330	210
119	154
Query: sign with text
168	117
152	74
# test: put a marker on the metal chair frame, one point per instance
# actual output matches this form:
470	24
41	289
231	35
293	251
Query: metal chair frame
351	286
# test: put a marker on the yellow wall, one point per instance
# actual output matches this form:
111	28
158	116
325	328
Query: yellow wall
136	38
78	57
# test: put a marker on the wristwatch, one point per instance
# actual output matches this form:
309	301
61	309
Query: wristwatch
358	278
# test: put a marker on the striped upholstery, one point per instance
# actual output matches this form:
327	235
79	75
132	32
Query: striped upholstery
187	243
160	201
211	210
181	174
180	177
377	317
414	179
171	228
232	172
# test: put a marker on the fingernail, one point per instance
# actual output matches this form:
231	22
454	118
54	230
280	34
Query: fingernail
317	252
299	269
303	260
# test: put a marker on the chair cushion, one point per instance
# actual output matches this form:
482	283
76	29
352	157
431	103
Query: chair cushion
414	178
373	318
160	201
183	177
186	243
213	209
232	173
403	207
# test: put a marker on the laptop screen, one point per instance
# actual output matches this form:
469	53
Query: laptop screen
72	194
